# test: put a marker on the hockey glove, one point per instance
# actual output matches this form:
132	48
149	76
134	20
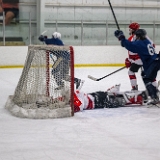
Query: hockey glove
41	38
127	63
119	34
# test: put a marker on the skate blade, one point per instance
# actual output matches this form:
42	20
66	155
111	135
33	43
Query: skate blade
154	105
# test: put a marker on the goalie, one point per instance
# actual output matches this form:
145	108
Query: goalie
59	59
112	98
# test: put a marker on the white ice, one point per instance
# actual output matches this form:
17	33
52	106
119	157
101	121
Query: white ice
127	133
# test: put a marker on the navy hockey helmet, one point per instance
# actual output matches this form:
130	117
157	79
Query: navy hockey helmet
141	34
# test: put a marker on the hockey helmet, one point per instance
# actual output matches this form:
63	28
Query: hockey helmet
141	34
134	26
55	34
58	35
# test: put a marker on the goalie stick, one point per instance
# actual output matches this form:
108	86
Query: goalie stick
98	79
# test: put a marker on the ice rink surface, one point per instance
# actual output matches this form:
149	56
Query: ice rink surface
127	133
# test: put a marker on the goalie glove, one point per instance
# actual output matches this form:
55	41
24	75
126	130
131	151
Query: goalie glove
127	63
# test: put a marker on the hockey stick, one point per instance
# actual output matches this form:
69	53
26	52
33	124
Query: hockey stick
98	79
114	15
44	32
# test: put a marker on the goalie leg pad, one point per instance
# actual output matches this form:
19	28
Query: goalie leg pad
115	101
103	100
100	99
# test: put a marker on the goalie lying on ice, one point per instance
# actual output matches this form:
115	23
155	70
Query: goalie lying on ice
112	98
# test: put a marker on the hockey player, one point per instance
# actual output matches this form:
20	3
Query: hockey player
112	98
62	58
133	62
55	40
150	59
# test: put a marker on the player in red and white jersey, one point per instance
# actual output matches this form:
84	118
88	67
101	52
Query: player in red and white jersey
133	62
112	98
83	101
94	100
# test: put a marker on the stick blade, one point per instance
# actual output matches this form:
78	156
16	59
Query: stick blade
92	78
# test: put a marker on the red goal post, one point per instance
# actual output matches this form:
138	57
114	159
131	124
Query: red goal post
46	86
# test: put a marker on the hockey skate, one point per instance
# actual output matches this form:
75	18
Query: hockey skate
154	102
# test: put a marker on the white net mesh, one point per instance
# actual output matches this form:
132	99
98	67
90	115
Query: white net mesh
44	89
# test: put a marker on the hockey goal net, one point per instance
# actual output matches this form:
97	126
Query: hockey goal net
46	86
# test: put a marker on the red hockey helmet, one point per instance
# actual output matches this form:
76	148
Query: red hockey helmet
134	26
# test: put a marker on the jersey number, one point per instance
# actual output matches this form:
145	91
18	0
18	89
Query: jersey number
151	49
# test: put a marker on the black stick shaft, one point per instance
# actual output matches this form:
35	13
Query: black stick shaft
114	15
111	73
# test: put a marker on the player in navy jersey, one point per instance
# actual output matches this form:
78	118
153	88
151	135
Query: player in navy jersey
149	57
63	58
55	40
133	62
